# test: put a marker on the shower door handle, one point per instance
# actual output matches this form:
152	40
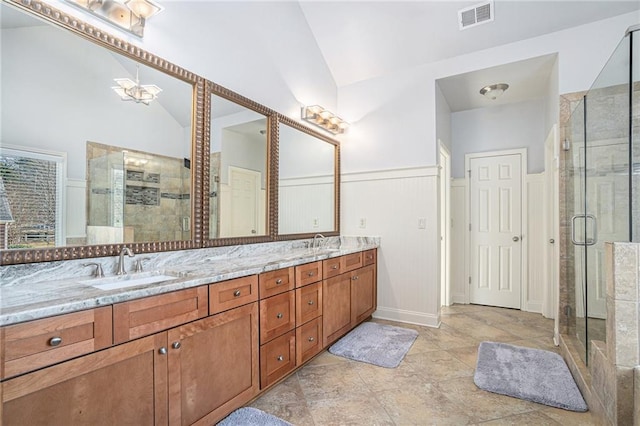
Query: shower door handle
594	230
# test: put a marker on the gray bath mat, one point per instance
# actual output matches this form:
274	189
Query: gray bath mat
530	374
377	344
248	416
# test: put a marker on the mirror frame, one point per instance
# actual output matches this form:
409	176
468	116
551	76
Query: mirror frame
93	34
212	89
336	194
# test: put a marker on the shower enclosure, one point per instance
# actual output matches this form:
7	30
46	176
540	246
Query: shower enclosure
601	186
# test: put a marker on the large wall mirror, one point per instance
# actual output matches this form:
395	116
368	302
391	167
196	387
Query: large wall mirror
84	171
308	182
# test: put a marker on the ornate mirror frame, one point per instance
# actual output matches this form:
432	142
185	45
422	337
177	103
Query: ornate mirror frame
272	158
98	36
336	200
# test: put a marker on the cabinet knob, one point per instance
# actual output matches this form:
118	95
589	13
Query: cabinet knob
311	339
280	358
355	277
334	267
55	341
236	293
279	281
162	351
176	345
310	274
279	315
310	302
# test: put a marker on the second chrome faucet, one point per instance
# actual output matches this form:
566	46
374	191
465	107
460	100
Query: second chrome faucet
125	251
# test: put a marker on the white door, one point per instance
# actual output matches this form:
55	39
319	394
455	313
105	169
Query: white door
445	224
495	188
244	188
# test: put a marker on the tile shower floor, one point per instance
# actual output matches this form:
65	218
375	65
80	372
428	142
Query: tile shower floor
432	386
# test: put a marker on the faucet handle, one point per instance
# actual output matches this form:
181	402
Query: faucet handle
139	267
98	272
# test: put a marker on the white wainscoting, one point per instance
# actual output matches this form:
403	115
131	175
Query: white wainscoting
305	204
392	202
533	287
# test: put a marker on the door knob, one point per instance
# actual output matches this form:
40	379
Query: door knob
551	241
516	239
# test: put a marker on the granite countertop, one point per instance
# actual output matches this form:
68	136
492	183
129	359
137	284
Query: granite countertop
23	300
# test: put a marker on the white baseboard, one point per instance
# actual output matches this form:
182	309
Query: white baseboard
533	307
410	317
458	298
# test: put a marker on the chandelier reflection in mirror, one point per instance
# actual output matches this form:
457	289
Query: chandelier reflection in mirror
130	90
129	15
325	119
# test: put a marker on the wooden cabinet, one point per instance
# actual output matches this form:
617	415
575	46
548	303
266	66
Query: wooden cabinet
308	273
233	293
142	317
308	340
276	282
336	308
277	315
122	385
348	298
363	294
332	267
28	346
308	303
213	366
277	358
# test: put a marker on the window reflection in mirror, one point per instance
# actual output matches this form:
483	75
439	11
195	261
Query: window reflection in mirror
238	171
58	99
306	183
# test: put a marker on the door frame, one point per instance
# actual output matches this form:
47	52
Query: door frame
524	270
444	211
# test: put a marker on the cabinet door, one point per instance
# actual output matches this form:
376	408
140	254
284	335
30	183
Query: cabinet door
213	366
336	308
363	294
277	358
308	340
308	303
277	316
123	385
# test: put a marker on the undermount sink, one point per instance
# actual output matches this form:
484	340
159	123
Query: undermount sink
124	281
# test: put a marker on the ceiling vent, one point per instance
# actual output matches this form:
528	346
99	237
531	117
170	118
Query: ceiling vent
475	15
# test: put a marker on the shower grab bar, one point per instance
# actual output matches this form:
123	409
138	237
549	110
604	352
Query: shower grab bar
594	230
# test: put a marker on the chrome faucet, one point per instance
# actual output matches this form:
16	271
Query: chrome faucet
128	252
316	238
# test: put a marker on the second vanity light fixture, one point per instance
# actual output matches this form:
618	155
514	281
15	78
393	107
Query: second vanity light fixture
129	15
325	119
130	90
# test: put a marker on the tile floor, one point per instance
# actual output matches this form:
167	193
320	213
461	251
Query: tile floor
432	386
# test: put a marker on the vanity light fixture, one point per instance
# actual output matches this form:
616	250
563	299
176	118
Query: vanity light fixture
130	90
325	119
493	91
129	15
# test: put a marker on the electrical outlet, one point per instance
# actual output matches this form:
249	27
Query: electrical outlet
422	223
363	222
316	222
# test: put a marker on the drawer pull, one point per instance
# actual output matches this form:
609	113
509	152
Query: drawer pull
279	281
176	345
310	303
355	278
280	358
334	267
311	339
55	341
310	274
236	293
162	351
279	315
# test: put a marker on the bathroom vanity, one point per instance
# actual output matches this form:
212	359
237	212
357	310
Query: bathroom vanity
180	356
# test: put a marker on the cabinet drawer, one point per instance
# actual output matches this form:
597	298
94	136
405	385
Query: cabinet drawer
231	294
308	340
308	303
36	344
369	257
149	315
352	261
308	273
277	358
276	282
277	315
332	267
